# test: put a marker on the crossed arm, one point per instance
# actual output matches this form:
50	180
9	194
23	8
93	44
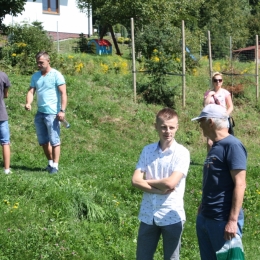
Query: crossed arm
162	186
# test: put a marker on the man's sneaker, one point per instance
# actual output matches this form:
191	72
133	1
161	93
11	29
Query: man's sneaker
53	170
48	168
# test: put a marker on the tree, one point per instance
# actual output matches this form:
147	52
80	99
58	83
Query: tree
12	7
111	12
224	19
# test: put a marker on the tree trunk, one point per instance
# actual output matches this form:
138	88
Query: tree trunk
114	40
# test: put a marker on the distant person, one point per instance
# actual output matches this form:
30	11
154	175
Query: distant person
4	126
218	95
161	174
50	88
220	215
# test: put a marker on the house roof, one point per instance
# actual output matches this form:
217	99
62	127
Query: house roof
249	48
102	42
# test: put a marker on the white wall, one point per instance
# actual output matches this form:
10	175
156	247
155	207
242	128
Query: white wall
70	19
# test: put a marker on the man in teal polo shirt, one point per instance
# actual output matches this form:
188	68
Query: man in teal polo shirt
50	88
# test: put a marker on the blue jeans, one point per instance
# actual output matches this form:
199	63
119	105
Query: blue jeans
148	238
47	129
210	235
4	133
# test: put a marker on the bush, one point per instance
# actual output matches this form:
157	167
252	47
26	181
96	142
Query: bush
24	42
120	39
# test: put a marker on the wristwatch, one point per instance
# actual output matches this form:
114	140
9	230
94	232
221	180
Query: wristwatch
62	110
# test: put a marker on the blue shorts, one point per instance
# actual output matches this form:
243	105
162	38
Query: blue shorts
47	129
4	133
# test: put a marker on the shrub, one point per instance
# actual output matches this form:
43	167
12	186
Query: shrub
158	90
120	39
24	41
82	44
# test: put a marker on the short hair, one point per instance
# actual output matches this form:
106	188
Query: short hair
216	74
42	53
220	123
166	114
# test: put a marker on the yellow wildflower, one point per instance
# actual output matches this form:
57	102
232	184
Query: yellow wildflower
155	59
79	66
104	67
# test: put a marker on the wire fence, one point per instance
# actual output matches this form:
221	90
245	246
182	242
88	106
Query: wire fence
239	66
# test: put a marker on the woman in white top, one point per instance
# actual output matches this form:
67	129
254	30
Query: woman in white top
218	95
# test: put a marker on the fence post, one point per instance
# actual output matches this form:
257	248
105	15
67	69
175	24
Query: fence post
256	67
210	60
183	64
58	40
133	58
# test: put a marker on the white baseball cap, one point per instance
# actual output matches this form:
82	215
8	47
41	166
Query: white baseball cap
212	111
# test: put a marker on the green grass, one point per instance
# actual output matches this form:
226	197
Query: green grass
89	210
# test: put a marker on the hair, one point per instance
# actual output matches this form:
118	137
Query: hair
216	74
42	53
220	123
166	114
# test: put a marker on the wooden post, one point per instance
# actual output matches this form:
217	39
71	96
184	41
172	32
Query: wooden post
183	64
133	58
210	60
256	68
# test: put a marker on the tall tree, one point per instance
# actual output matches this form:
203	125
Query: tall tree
111	12
144	12
224	19
12	7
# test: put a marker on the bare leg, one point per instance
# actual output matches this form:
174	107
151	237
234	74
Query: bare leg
56	153
47	150
6	155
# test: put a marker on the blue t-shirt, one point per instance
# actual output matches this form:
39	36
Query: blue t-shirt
225	155
47	91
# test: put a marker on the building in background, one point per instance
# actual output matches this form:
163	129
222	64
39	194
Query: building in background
61	16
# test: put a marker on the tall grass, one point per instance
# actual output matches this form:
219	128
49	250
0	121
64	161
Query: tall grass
89	210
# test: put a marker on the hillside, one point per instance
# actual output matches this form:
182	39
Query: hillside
89	210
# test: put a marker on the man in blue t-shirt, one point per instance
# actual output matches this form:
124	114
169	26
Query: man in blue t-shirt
50	88
220	215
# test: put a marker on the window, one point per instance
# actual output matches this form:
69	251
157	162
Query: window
50	6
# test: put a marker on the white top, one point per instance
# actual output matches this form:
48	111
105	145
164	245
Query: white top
163	209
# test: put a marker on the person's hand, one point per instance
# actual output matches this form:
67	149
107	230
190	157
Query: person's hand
230	230
211	93
61	116
28	107
167	192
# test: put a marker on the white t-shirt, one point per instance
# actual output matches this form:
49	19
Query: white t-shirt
163	209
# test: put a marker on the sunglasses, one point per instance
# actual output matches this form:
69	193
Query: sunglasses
217	80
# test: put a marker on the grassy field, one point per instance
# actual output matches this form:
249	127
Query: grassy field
89	210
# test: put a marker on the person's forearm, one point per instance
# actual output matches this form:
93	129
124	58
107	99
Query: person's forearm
168	183
63	101
237	201
144	186
29	98
229	110
162	185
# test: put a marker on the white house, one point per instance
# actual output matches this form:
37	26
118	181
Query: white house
61	16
